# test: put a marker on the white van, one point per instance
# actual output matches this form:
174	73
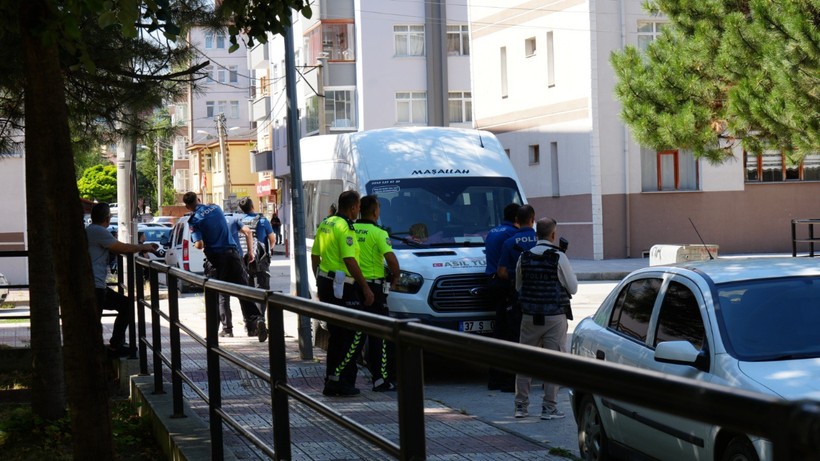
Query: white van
181	253
452	182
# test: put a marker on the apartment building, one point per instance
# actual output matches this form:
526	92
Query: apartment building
362	65
542	82
216	110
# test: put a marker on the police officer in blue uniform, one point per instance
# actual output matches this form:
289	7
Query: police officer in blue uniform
210	233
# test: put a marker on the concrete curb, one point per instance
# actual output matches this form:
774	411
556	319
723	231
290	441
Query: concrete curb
181	439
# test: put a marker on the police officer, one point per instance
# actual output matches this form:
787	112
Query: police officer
263	232
374	249
209	232
523	239
545	281
500	287
339	281
237	231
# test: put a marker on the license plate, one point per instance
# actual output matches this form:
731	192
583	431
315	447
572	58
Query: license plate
476	326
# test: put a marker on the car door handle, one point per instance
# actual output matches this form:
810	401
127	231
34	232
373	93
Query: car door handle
600	355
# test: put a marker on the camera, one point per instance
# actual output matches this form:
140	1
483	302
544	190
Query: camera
563	244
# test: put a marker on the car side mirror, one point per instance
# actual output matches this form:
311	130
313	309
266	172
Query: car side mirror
165	240
682	353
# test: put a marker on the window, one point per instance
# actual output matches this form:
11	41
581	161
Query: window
550	60
233	74
648	31
556	192
460	106
214	39
633	308
234	111
529	47
264	86
340	109
209	73
209	109
180	114
773	166
411	107
409	40
504	92
221	75
669	170
679	318
312	114
535	154
333	39
458	40
222	107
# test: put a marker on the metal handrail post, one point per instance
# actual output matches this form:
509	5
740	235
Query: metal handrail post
811	238
794	238
214	383
132	330
176	353
410	369
143	350
280	411
156	337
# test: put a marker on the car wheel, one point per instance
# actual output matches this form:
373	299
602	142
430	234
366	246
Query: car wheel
592	441
740	449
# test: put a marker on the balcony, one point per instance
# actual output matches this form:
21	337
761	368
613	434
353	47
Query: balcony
259	56
260	108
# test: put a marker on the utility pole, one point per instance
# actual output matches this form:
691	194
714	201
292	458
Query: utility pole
226	181
299	246
159	177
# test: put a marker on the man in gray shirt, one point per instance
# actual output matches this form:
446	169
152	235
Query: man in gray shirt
100	244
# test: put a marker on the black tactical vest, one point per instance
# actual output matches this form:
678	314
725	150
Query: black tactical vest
541	291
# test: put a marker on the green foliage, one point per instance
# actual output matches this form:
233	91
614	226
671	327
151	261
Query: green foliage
24	436
726	72
99	183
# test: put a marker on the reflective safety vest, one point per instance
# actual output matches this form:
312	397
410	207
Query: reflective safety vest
541	290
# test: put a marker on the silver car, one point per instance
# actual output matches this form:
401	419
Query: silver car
746	323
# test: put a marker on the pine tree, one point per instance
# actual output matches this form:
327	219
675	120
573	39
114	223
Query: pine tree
726	73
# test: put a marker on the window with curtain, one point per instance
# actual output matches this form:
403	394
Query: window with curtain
409	40
340	109
458	40
774	166
411	107
669	170
460	106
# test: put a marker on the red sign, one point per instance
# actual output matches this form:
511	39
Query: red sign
263	188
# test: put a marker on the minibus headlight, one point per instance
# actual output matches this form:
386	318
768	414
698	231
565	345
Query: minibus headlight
409	282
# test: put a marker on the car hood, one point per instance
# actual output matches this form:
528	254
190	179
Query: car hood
790	379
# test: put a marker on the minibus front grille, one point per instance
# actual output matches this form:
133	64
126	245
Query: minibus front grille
457	293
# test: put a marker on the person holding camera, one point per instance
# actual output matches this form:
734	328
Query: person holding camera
545	282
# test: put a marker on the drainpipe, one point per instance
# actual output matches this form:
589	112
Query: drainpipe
625	136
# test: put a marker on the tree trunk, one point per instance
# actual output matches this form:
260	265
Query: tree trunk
48	386
48	152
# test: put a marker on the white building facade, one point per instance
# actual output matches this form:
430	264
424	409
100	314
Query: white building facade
225	88
362	65
543	83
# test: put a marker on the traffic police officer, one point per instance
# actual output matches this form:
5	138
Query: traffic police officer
374	249
339	281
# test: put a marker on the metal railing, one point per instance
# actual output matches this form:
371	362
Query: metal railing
811	239
792	426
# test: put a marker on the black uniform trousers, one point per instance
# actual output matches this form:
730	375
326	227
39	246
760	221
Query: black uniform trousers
381	354
344	346
228	267
507	327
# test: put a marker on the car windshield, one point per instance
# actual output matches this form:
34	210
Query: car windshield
442	212
773	319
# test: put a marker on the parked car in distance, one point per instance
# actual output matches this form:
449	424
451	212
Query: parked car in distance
746	323
165	220
180	252
160	235
4	292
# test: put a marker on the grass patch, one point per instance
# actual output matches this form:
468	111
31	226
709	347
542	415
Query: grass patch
15	321
7	306
563	452
24	436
